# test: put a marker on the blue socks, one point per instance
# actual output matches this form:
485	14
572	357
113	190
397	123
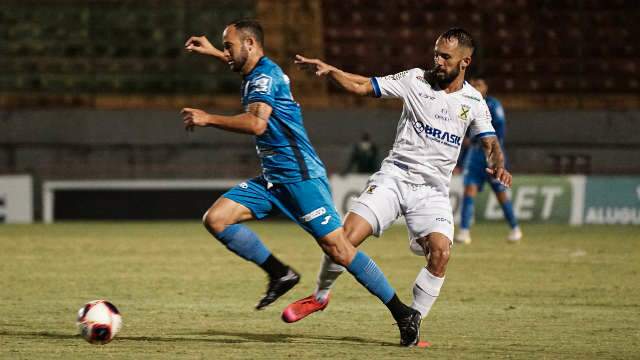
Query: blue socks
466	213
244	242
507	208
370	276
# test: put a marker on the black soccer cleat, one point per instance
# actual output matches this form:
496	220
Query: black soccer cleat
410	329
278	287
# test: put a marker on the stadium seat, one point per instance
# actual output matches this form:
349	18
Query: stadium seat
67	46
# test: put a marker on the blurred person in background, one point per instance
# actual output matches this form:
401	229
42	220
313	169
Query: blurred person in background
474	165
364	157
293	179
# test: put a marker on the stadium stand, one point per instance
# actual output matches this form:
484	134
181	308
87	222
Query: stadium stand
90	89
585	46
89	47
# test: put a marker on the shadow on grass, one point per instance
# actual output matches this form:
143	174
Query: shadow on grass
214	336
287	338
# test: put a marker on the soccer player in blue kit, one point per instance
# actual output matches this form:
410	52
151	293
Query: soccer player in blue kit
293	179
475	175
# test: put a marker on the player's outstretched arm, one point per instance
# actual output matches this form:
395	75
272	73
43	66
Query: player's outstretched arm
202	45
353	83
252	122
495	160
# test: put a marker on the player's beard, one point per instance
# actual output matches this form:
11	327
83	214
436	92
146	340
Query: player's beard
240	59
444	77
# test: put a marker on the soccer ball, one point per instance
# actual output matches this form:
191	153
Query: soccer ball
99	321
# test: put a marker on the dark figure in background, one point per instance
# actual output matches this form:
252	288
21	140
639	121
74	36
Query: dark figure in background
364	157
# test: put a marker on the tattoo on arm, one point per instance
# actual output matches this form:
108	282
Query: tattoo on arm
260	110
493	152
259	113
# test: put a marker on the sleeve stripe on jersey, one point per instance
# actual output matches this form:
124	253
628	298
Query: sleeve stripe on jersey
376	87
485	134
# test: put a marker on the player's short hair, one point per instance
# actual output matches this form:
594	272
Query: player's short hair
464	38
250	26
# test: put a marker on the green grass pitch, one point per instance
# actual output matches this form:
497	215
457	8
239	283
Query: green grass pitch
562	293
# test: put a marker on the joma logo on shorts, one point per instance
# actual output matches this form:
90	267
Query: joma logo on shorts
314	214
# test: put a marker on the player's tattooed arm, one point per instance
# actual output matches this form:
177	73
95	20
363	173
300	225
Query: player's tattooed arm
202	45
252	122
357	84
495	160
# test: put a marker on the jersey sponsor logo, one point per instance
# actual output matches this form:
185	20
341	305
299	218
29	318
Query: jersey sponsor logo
443	137
464	112
397	76
263	153
326	220
314	214
442	115
426	96
370	189
244	185
441	219
471	97
261	84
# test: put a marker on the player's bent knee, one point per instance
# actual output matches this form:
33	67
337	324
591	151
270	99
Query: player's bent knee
332	251
338	258
213	221
438	261
337	248
440	255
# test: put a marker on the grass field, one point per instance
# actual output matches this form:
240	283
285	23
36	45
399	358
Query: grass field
563	293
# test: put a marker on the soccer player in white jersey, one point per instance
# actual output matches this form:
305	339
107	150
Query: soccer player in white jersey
439	106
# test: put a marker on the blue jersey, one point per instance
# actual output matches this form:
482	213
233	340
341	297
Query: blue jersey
285	152
475	155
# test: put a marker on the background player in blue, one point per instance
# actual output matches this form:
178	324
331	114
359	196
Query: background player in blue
293	179
475	175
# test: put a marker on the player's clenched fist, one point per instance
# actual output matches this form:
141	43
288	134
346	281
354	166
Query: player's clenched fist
194	117
318	66
501	174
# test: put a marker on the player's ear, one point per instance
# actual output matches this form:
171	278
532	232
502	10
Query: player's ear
250	42
466	61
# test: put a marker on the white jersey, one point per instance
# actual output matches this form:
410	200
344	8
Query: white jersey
431	128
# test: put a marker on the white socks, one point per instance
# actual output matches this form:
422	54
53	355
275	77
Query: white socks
425	291
329	272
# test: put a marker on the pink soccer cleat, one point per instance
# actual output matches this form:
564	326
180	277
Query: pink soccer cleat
302	308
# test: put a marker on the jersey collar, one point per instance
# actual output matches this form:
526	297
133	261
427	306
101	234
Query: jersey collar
260	61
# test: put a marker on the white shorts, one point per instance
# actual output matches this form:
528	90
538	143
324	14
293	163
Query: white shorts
425	209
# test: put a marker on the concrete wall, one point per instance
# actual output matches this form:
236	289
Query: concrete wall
72	144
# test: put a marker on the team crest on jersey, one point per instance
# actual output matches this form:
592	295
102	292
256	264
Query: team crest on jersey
464	112
370	189
262	84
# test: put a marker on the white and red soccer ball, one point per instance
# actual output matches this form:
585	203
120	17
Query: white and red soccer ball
99	321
